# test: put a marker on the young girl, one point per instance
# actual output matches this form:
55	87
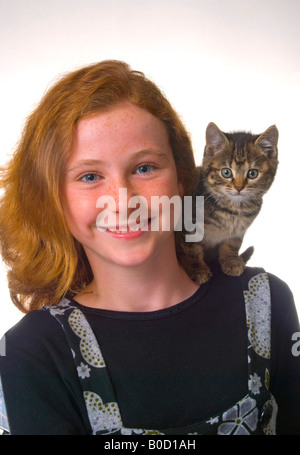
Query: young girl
118	338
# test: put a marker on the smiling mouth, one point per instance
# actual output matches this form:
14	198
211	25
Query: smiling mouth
127	228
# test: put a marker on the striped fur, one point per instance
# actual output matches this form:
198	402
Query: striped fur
237	170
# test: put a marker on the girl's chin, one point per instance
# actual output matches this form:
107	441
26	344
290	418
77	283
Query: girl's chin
132	249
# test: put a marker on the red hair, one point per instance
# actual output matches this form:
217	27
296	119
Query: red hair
44	261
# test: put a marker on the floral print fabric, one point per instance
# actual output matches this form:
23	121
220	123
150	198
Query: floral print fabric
253	414
3	414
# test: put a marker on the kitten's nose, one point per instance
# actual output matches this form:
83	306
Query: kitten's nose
238	187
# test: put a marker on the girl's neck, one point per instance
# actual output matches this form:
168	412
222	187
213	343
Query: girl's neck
149	287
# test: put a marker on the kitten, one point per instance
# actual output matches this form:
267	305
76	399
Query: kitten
237	170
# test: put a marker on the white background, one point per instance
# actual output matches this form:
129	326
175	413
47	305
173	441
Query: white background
233	62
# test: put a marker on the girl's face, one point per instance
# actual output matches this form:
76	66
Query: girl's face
125	147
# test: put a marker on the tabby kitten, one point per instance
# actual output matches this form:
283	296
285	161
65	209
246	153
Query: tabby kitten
237	170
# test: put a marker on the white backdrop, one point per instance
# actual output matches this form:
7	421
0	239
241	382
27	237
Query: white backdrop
233	62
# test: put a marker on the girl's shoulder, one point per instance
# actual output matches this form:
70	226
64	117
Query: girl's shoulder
37	332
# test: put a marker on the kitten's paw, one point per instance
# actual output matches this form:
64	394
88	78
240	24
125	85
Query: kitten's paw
233	266
203	275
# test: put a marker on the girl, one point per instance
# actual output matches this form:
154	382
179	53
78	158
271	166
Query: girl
118	338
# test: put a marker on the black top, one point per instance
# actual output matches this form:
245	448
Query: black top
169	368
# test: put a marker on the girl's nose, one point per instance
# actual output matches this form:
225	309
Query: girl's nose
121	191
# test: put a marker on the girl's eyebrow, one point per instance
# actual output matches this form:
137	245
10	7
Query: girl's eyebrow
86	163
138	155
156	153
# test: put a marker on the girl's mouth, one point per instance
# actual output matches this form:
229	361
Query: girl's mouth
130	230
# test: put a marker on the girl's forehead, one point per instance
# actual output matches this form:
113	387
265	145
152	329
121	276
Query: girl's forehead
117	117
124	127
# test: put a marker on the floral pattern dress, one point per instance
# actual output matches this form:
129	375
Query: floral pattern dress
255	413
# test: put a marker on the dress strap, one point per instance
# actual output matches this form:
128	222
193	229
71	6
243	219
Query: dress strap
258	317
256	413
99	396
3	414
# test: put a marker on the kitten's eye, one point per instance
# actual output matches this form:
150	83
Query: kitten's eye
253	174
226	173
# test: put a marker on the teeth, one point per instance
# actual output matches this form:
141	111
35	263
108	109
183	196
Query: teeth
116	231
133	228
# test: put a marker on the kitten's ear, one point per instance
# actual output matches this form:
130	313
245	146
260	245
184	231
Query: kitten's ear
215	139
268	140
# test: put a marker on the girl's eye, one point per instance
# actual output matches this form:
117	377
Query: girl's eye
226	173
90	178
253	174
144	169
